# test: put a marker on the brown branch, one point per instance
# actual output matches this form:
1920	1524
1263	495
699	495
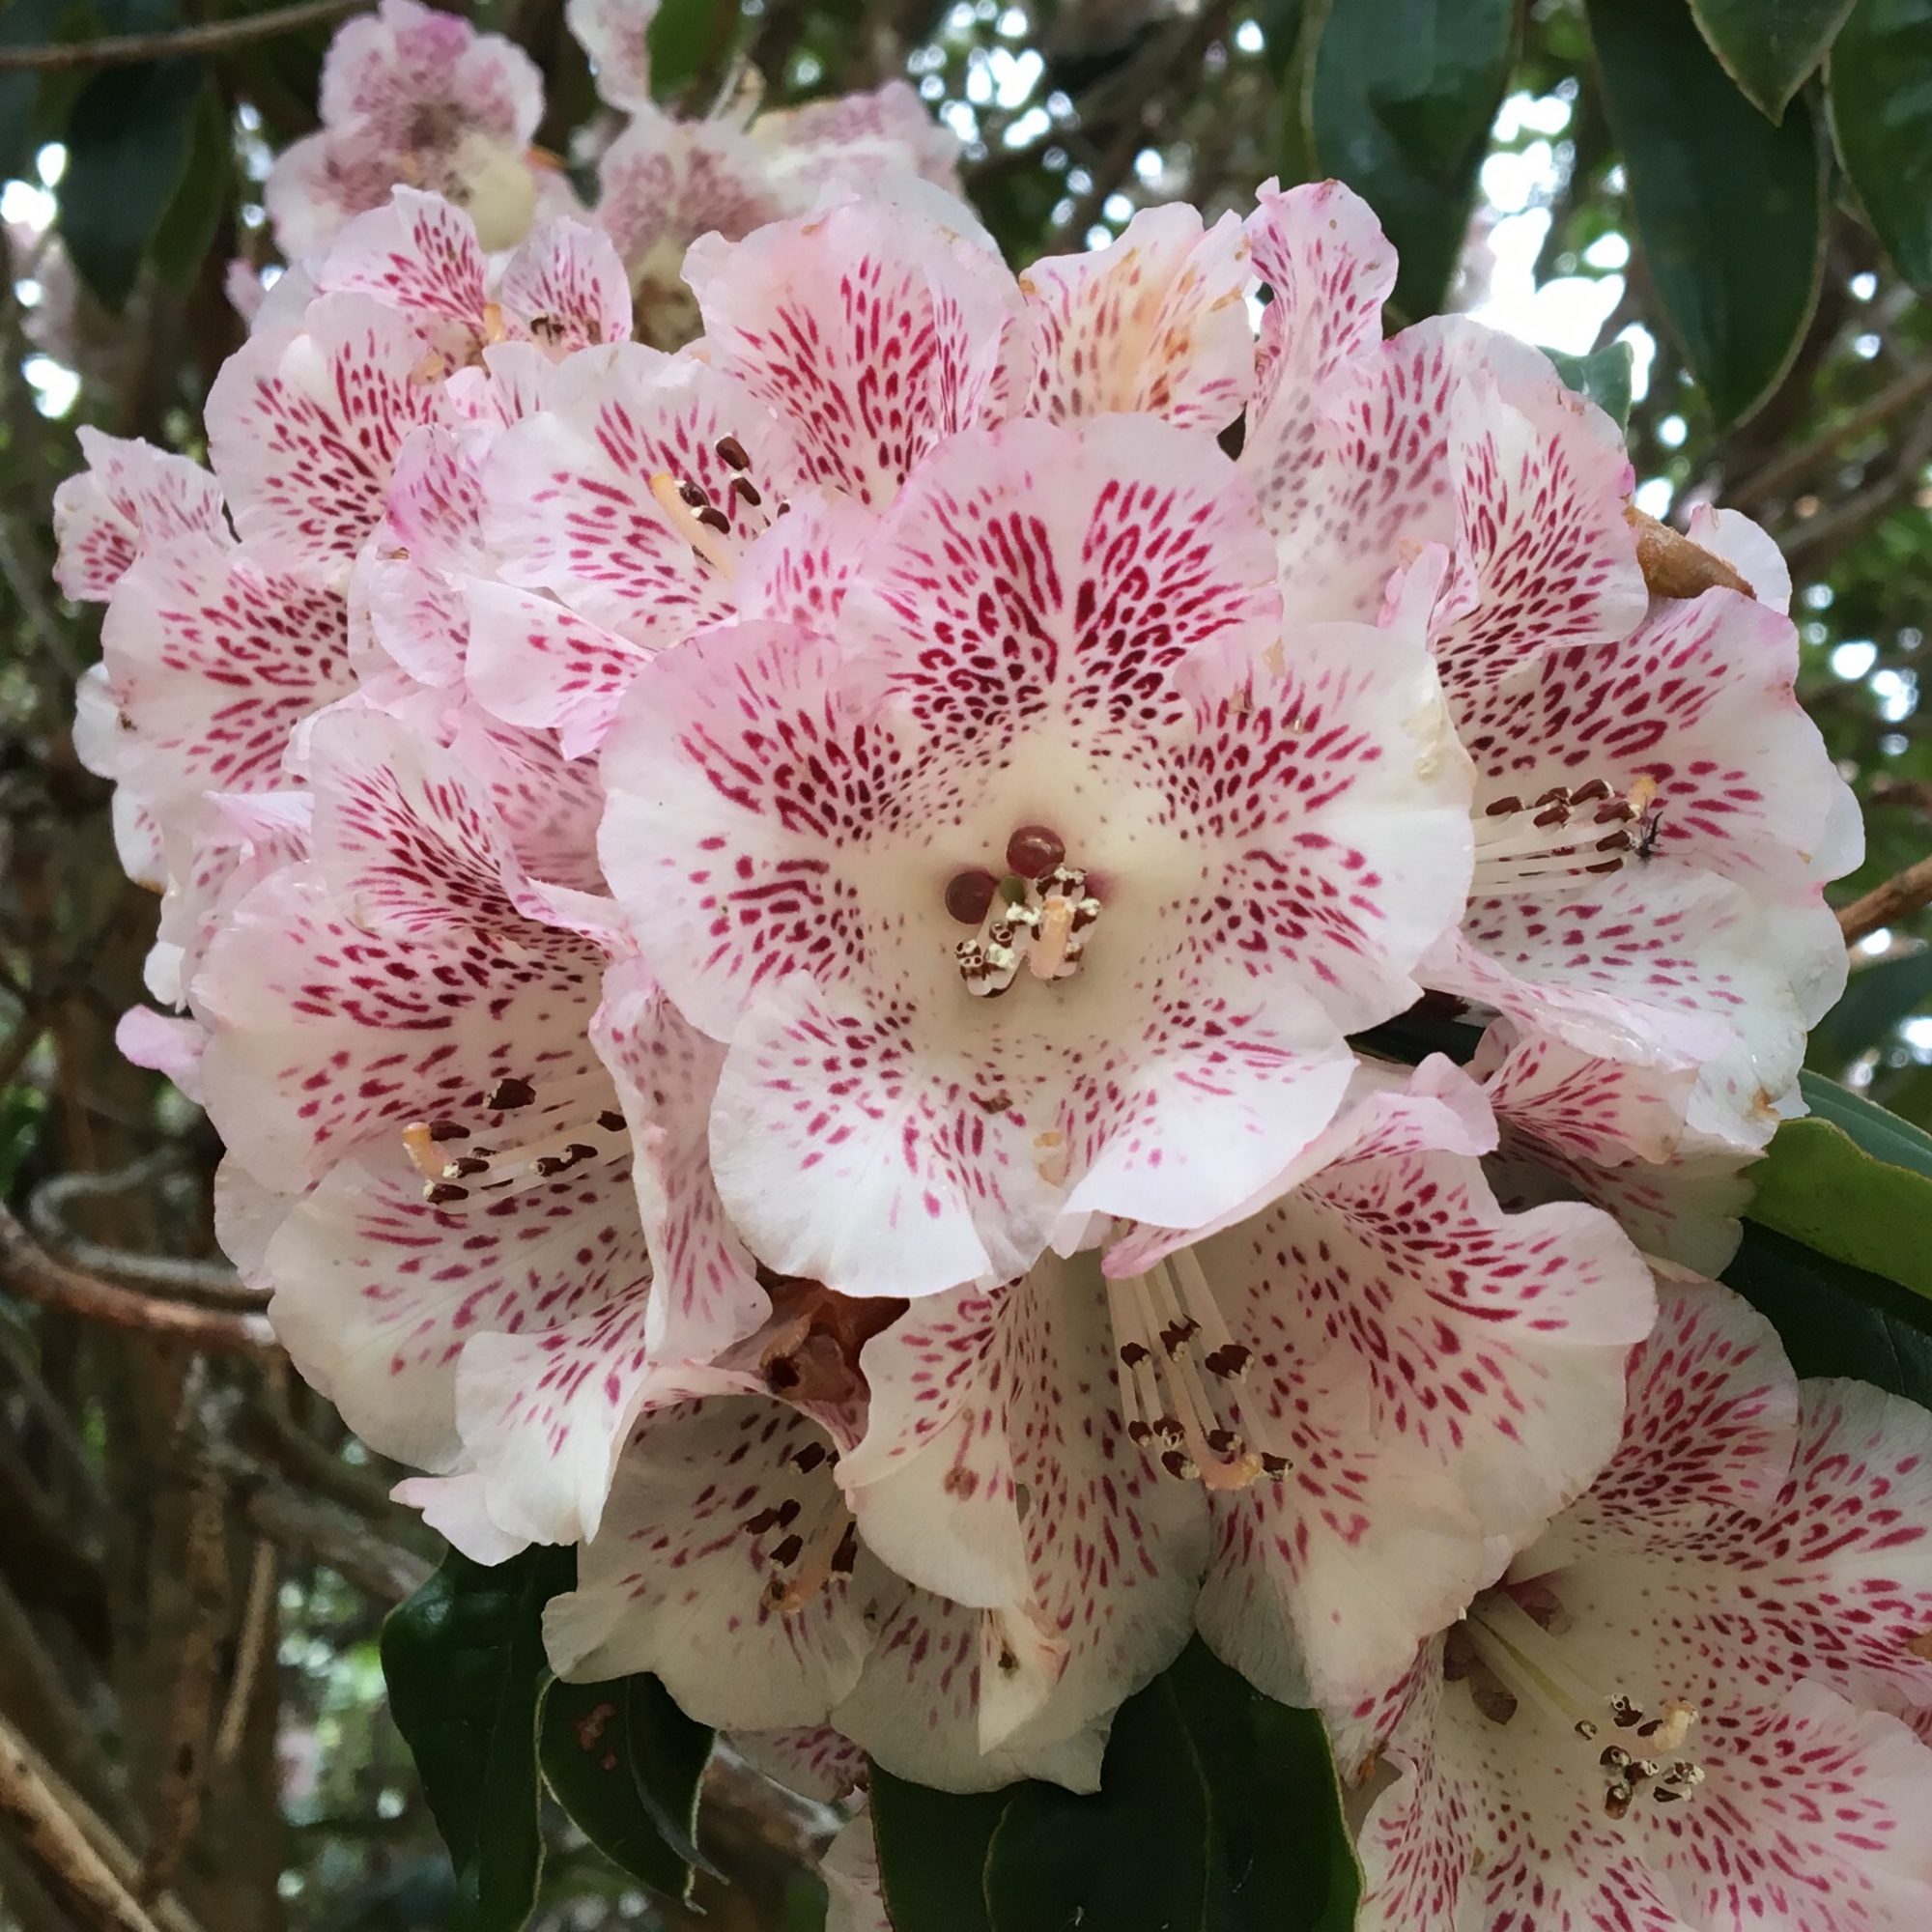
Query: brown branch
215	37
31	1272
1810	546
1777	476
256	1644
1899	897
55	1842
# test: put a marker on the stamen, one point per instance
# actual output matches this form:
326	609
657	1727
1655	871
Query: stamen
1535	1667
824	1546
1174	1362
456	1165
700	526
1567	835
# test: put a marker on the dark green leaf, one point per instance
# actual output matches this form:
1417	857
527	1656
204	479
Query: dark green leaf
1878	998
1820	1187
932	1852
1605	378
689	38
626	1764
128	144
1729	209
1237	1794
1883	1135
464	1661
187	229
1400	99
23	23
1280	23
1834	1320
1770	47
1881	92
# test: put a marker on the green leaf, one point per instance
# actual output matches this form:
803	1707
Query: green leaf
687	37
128	140
1836	1320
1770	47
1237	1792
187	229
464	1661
1819	1186
1880	87
933	1847
1883	1135
1729	209
626	1764
1877	999
1400	96
1604	377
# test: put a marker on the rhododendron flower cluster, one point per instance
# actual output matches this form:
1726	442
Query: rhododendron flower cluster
800	949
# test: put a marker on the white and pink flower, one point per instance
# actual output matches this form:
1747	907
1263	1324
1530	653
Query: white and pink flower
1682	1709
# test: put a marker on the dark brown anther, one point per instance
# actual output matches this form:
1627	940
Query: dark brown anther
789	1550
969	895
1273	1465
464	1165
440	1193
610	1120
731	453
1227	1361
448	1130
788	1511
1033	850
1134	1353
714	520
810	1457
845	1558
694	497
510	1093
1501	807
745	488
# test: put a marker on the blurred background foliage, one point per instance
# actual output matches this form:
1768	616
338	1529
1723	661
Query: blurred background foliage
194	1561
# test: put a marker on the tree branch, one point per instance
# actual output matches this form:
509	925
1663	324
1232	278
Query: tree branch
1777	476
215	37
1907	892
30	1270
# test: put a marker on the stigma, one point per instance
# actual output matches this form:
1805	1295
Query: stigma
1635	1752
1180	1374
1566	836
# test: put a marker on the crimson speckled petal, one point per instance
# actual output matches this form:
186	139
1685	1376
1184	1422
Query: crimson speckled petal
129	496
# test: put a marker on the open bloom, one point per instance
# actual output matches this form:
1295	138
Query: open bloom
1655	817
1677	1713
415	95
1364	1397
1048	881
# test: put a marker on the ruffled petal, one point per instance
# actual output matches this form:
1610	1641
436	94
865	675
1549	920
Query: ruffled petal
130	496
1155	322
875	333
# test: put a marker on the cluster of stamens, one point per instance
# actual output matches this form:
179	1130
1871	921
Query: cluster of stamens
455	1162
1530	1664
701	521
812	1547
1038	915
1177	1369
1566	833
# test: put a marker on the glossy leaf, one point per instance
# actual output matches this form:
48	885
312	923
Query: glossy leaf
23	23
1878	998
187	228
626	1765
1399	100
1729	209
128	140
464	1661
1819	1186
932	1852
1237	1792
687	38
1881	1134
1834	1320
1880	80
1604	377
1769	48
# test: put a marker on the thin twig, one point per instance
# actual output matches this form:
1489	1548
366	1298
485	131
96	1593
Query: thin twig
318	1532
258	1638
214	1282
1899	897
1777	476
50	1837
215	37
30	1270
